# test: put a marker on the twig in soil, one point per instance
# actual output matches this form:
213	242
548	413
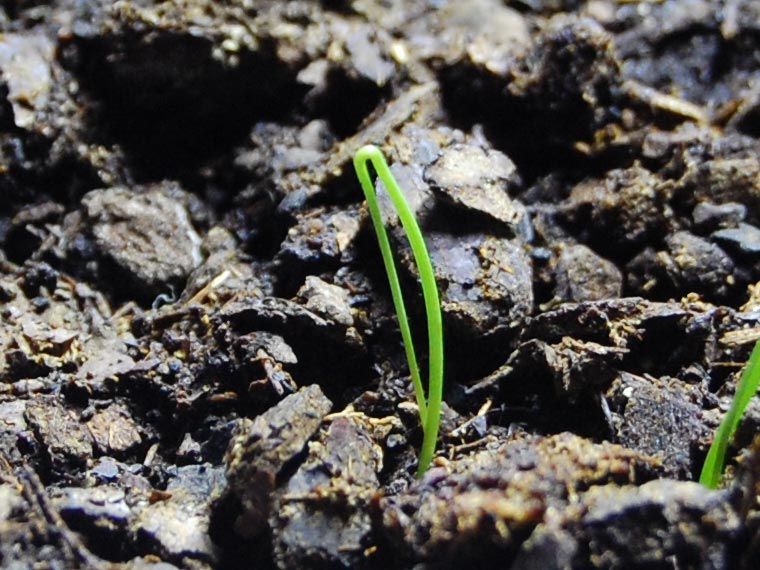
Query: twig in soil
210	286
150	455
391	421
659	101
430	409
126	309
712	470
741	336
481	412
469	446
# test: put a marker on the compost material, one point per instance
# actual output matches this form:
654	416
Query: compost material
200	365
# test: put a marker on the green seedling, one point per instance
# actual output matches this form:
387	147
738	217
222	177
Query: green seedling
712	470
430	407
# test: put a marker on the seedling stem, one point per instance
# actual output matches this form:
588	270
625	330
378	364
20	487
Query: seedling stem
430	408
712	470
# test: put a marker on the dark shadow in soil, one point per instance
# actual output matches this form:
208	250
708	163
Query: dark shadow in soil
170	105
345	101
539	143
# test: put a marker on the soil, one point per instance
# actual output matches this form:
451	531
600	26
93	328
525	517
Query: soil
201	367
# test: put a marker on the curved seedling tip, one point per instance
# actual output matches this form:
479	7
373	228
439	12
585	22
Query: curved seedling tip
430	409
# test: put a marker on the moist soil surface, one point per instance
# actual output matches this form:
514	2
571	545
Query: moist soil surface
200	363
